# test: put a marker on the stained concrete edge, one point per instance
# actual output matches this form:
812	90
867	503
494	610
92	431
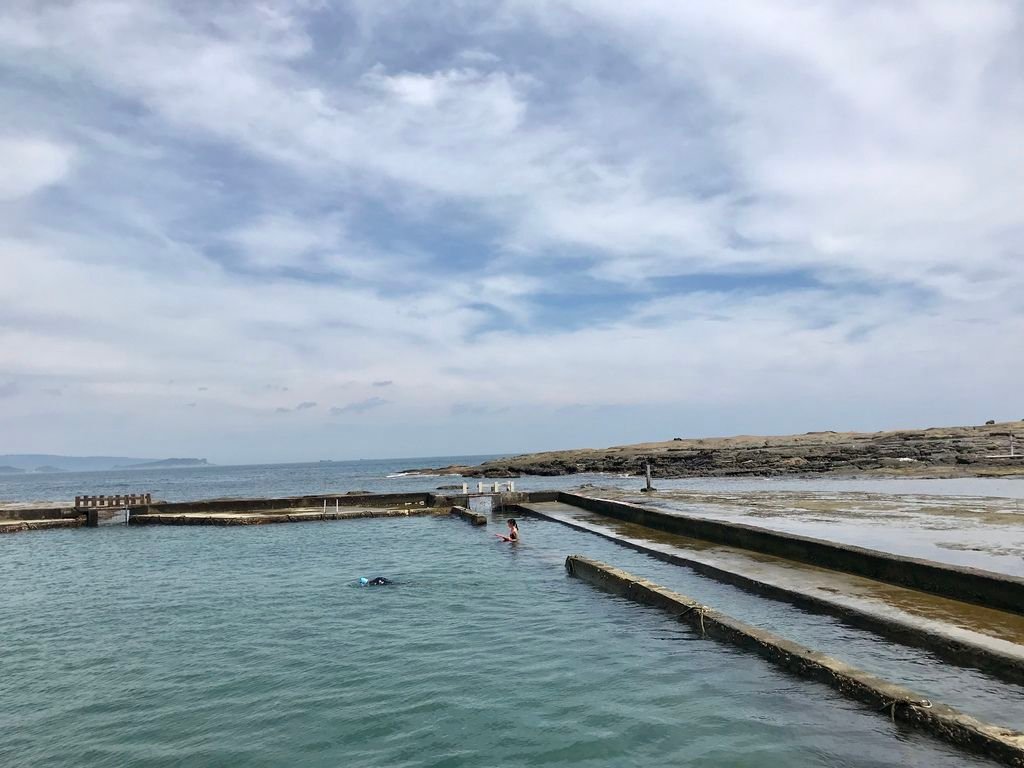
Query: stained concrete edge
19	526
469	515
252	518
945	722
956	651
972	585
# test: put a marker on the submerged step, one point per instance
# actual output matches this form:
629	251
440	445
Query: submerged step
900	703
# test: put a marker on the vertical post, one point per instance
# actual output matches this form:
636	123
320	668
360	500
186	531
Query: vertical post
92	518
479	487
335	506
647	469
511	486
465	488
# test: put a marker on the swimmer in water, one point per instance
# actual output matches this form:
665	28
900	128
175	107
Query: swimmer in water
513	532
378	581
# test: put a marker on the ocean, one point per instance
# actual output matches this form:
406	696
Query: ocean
377	475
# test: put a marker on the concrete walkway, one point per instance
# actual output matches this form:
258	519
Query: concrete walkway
959	632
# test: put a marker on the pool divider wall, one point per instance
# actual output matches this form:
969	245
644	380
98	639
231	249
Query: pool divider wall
972	585
271	505
40	513
469	515
962	653
895	701
242	518
18	526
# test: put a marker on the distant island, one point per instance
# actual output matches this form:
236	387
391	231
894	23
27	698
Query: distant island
167	464
18	463
991	450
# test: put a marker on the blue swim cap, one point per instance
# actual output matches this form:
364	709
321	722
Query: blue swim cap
363	581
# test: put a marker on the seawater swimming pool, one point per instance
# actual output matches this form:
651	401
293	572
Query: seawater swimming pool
216	646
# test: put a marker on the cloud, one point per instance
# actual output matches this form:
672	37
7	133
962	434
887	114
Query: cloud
766	210
303	406
31	164
360	406
282	240
8	389
476	409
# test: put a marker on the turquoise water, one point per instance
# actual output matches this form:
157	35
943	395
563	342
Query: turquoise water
251	646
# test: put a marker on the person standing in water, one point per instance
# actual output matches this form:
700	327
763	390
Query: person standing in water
513	532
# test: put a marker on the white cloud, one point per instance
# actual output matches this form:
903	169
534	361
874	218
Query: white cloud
284	240
871	151
31	164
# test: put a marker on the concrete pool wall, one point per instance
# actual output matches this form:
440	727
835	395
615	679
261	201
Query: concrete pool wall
970	585
945	722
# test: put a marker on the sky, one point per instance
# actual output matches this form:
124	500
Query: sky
299	230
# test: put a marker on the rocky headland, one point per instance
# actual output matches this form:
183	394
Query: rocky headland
974	451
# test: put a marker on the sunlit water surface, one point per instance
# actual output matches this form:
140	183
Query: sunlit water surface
157	646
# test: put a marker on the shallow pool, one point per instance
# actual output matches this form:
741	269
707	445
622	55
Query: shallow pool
157	646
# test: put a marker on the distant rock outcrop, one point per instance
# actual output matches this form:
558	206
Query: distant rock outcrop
934	452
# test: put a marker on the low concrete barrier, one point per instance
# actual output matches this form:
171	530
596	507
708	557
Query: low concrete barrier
953	649
472	517
243	518
291	502
39	513
17	526
972	585
900	703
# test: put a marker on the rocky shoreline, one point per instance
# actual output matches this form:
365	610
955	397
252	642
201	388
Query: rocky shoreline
937	452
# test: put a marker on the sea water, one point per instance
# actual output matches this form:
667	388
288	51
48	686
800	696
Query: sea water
390	475
195	646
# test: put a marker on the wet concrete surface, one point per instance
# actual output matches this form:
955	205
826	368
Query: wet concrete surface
975	691
975	623
1006	745
18	526
289	515
978	531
